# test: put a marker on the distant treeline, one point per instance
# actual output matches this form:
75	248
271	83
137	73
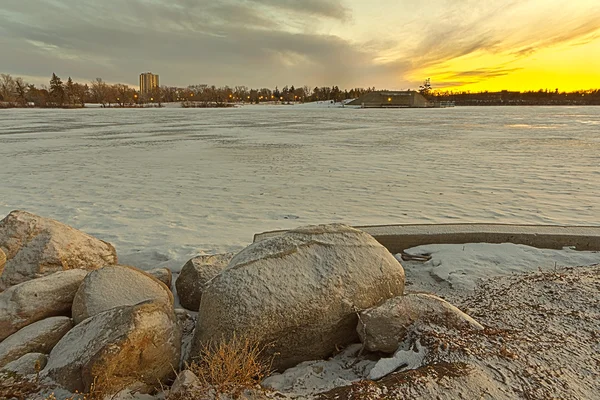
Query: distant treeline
530	98
15	92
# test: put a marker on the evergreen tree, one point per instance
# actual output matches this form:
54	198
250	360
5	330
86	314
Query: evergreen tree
70	91
57	90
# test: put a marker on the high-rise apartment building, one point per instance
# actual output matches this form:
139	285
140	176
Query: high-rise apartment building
148	82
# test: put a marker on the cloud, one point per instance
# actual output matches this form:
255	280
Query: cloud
330	9
461	78
230	41
581	31
279	42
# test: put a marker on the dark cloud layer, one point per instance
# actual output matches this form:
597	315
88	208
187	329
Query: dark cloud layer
236	41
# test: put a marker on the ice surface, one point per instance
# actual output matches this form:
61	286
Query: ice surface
166	184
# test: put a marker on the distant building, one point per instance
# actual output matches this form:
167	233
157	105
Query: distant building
148	82
392	99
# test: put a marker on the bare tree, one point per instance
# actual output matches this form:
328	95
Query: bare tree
7	88
21	91
99	92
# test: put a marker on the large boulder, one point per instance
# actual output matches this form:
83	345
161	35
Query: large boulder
28	364
32	301
299	293
117	286
37	246
118	347
385	327
195	275
39	337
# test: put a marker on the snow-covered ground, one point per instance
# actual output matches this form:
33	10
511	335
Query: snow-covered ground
166	184
462	267
454	272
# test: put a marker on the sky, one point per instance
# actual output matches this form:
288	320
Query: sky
389	44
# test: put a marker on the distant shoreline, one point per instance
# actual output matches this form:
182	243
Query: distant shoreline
240	105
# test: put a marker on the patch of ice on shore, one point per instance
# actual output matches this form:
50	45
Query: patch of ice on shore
402	359
462	266
312	377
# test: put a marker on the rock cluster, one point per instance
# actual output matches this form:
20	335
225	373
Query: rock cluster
70	314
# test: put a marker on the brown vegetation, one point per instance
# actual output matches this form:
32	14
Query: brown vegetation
228	367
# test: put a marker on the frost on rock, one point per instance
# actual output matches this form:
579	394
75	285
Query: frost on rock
117	286
37	246
299	292
34	300
385	327
39	337
118	347
28	364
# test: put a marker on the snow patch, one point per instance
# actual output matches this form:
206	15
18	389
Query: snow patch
462	266
402	360
312	377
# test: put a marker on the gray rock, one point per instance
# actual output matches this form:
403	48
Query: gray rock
37	246
299	292
186	381
39	337
385	327
162	274
28	364
187	324
186	321
34	300
116	286
195	275
119	347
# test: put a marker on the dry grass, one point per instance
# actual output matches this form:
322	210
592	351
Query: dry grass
229	367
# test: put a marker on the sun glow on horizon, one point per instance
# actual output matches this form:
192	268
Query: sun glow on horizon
566	67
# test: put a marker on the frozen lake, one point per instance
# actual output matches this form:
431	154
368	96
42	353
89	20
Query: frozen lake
166	184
